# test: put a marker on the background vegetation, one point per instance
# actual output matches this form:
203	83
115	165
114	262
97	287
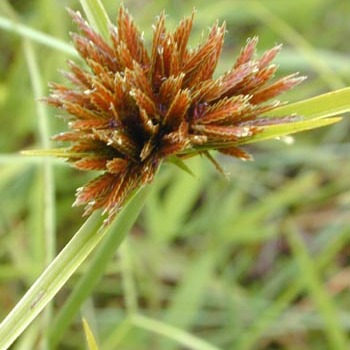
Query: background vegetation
258	261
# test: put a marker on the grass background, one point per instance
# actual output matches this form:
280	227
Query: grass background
260	261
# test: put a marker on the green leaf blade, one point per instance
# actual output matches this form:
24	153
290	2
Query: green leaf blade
323	106
278	130
90	339
97	16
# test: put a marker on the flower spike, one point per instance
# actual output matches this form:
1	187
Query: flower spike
131	108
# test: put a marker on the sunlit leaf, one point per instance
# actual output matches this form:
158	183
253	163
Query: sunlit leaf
90	339
97	16
274	131
323	106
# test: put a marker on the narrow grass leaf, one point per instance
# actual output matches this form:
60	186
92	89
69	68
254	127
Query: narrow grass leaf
189	295
180	164
275	131
60	270
21	161
47	209
118	334
97	16
266	319
104	254
268	132
323	106
186	339
249	222
51	281
308	273
327	243
90	339
53	152
165	214
37	36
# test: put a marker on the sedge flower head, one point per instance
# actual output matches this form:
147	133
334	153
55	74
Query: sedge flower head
134	106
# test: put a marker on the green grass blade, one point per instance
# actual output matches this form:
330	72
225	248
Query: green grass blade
191	293
24	161
97	16
55	152
29	340
37	36
180	164
90	339
270	132
59	271
249	339
51	281
47	170
323	106
164	214
113	340
88	281
278	130
309	275
47	209
187	340
259	211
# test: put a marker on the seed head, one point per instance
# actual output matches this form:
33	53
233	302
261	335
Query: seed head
132	108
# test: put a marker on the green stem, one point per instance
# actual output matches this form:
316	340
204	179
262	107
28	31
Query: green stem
121	227
63	267
178	335
51	281
37	36
97	16
48	186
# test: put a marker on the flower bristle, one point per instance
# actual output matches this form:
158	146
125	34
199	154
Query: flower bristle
132	108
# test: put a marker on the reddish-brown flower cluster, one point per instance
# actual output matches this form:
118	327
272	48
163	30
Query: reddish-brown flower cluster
132	108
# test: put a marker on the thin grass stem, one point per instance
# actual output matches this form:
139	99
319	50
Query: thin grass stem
37	36
186	339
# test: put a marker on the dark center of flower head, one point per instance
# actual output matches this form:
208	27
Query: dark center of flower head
133	108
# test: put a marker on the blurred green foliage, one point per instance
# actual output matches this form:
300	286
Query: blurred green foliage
258	261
